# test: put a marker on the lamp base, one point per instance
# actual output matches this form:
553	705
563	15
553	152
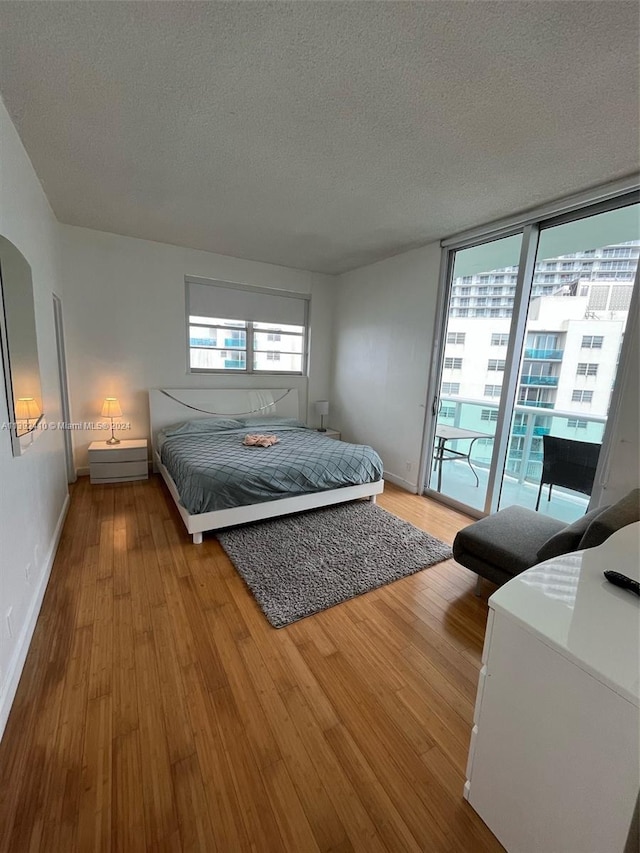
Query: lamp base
113	440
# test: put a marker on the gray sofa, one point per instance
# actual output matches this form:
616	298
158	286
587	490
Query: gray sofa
502	545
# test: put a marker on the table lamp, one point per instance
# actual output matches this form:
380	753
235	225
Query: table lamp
27	410
322	408
111	409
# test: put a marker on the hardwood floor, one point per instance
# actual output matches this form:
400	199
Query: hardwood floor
158	710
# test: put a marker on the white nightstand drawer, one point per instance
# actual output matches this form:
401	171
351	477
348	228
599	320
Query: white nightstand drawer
115	454
104	472
117	463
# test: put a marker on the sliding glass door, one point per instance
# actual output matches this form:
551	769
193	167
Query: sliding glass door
534	327
576	318
478	326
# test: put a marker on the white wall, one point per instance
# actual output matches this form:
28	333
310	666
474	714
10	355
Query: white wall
125	325
383	347
33	487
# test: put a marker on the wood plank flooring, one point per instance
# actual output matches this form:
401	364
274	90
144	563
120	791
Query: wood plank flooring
158	710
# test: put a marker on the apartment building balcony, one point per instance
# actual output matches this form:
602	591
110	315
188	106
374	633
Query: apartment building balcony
544	354
546	381
530	403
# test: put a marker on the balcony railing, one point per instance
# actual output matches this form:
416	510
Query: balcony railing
524	460
549	381
546	354
521	429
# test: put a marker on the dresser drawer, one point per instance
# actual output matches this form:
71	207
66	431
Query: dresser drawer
113	472
118	454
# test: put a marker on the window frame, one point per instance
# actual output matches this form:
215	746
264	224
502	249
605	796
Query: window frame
248	327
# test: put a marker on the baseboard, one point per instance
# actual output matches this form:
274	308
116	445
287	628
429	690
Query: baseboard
399	481
24	641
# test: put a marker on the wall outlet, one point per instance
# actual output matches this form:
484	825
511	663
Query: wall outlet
36	556
27	571
9	623
408	466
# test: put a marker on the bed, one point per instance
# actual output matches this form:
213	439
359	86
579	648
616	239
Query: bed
218	482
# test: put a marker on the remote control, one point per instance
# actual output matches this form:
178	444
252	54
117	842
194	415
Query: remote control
619	579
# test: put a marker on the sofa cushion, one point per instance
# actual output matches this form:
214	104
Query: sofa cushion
510	539
625	511
568	539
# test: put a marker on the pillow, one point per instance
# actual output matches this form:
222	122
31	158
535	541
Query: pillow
200	425
272	421
569	538
612	518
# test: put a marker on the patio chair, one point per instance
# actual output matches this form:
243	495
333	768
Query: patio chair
568	463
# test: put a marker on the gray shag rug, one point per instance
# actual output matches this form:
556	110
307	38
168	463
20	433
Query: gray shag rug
300	564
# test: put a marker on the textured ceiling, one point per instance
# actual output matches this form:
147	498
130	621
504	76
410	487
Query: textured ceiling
320	135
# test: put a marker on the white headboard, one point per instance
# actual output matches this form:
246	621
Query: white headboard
172	405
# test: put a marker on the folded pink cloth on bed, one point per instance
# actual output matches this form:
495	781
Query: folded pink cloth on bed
260	440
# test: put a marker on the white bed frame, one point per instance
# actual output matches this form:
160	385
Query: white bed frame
169	406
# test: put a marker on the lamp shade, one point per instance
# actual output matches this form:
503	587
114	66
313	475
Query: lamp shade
322	407
111	408
27	409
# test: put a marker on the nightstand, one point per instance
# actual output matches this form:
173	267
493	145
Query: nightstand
118	463
331	433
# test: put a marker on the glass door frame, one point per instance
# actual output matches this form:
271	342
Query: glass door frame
612	196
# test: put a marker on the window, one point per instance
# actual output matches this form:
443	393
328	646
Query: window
242	329
450	387
499	340
489	415
492	390
535	397
575	423
453	363
587	369
582	396
592	341
448	412
496	364
455	337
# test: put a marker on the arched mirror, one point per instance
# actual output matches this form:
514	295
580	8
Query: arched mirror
19	343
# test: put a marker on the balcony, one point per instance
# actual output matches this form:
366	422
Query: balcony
530	403
229	343
524	457
544	354
547	381
537	430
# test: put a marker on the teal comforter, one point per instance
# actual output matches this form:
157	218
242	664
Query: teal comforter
214	470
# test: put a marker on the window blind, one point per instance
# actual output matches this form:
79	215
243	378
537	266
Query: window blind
241	302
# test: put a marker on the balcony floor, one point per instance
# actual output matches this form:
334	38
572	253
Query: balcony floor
458	483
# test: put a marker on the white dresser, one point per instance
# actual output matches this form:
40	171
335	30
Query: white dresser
118	463
554	759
